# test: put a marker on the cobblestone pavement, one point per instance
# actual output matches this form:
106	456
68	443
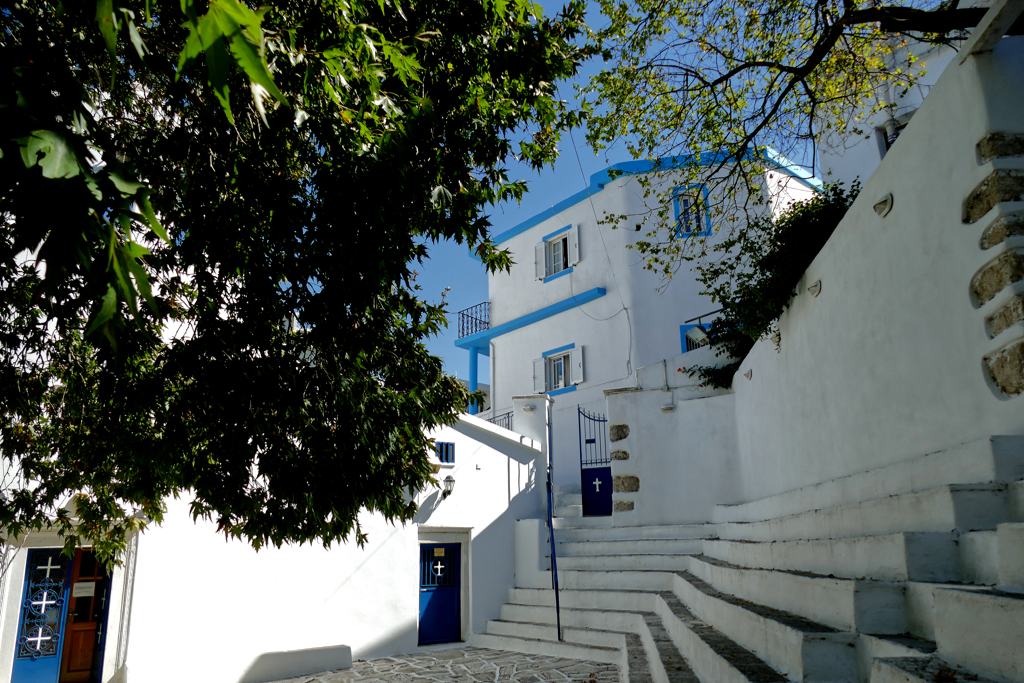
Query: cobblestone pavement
467	665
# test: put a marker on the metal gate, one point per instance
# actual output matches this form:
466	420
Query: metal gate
595	464
440	591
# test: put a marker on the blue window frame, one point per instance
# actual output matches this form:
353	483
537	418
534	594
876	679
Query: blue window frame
689	204
446	451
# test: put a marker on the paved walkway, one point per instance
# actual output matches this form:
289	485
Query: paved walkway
468	665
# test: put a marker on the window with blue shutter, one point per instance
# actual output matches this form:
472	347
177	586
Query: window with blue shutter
446	451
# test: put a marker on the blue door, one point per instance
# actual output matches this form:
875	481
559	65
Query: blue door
37	653
595	465
596	484
440	591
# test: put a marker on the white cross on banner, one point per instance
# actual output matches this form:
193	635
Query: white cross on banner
597	485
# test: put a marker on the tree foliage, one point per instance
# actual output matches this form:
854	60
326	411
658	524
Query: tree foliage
210	215
754	272
737	77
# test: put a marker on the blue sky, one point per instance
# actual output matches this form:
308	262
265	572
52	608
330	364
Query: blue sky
450	264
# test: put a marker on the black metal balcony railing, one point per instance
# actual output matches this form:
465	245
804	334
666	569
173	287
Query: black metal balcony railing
475	319
503	420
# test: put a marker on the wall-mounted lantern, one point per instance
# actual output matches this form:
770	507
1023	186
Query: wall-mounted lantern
449	486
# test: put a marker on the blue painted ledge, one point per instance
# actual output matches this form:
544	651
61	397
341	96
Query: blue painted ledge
566	390
482	340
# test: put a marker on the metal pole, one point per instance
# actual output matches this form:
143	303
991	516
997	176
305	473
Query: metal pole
551	526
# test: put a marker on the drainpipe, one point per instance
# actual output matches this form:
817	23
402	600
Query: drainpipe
494	383
474	352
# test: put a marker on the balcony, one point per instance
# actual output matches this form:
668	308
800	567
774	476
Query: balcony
475	319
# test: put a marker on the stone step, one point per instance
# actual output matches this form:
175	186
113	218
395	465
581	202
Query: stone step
844	604
568	511
979	558
1010	542
960	507
569	499
539	631
886	557
997	459
920	670
1015	501
660	546
582	522
983	630
871	647
574	487
670	562
711	655
920	606
620	533
797	647
533	646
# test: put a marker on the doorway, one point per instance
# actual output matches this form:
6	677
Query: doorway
440	571
62	629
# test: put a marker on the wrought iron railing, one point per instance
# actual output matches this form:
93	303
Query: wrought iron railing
593	439
475	319
503	420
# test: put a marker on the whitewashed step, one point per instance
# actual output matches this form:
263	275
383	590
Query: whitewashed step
995	459
568	511
871	647
561	489
920	670
1015	501
887	557
582	522
920	605
961	507
532	646
979	558
660	546
801	649
843	604
983	630
670	562
569	499
537	631
710	654
618	533
1010	541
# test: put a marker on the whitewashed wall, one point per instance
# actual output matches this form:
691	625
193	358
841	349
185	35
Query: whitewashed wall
205	608
886	363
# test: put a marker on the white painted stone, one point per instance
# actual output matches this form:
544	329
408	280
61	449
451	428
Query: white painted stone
1015	501
870	647
979	557
547	647
636	532
273	666
624	562
844	604
962	507
629	547
889	557
991	459
981	631
1010	538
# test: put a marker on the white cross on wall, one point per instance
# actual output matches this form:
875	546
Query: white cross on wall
597	485
439	567
39	638
44	602
49	566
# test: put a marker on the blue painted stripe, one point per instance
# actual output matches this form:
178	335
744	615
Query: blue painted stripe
560	349
548	236
482	339
559	274
556	392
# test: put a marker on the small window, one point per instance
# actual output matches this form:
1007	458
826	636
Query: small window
558	370
688	208
558	253
446	451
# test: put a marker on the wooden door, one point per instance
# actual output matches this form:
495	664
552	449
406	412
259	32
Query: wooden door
85	619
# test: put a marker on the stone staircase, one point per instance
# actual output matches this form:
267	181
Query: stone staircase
909	573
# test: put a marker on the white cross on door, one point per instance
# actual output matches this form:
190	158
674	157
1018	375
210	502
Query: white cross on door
39	638
49	566
44	603
439	567
597	485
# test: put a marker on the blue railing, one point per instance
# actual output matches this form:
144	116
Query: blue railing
551	530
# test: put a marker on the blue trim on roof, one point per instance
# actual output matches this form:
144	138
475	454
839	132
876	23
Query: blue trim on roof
559	274
564	390
482	340
638	167
548	236
560	349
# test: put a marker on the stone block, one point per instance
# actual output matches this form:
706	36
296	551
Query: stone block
997	274
623	506
1000	145
1006	367
618	432
1010	314
620	455
1002	229
1002	185
625	483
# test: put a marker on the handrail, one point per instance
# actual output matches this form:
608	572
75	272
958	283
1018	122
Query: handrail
703	316
551	526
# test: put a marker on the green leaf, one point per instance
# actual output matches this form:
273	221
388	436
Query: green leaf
247	55
125	186
107	23
107	309
142	200
136	39
58	158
